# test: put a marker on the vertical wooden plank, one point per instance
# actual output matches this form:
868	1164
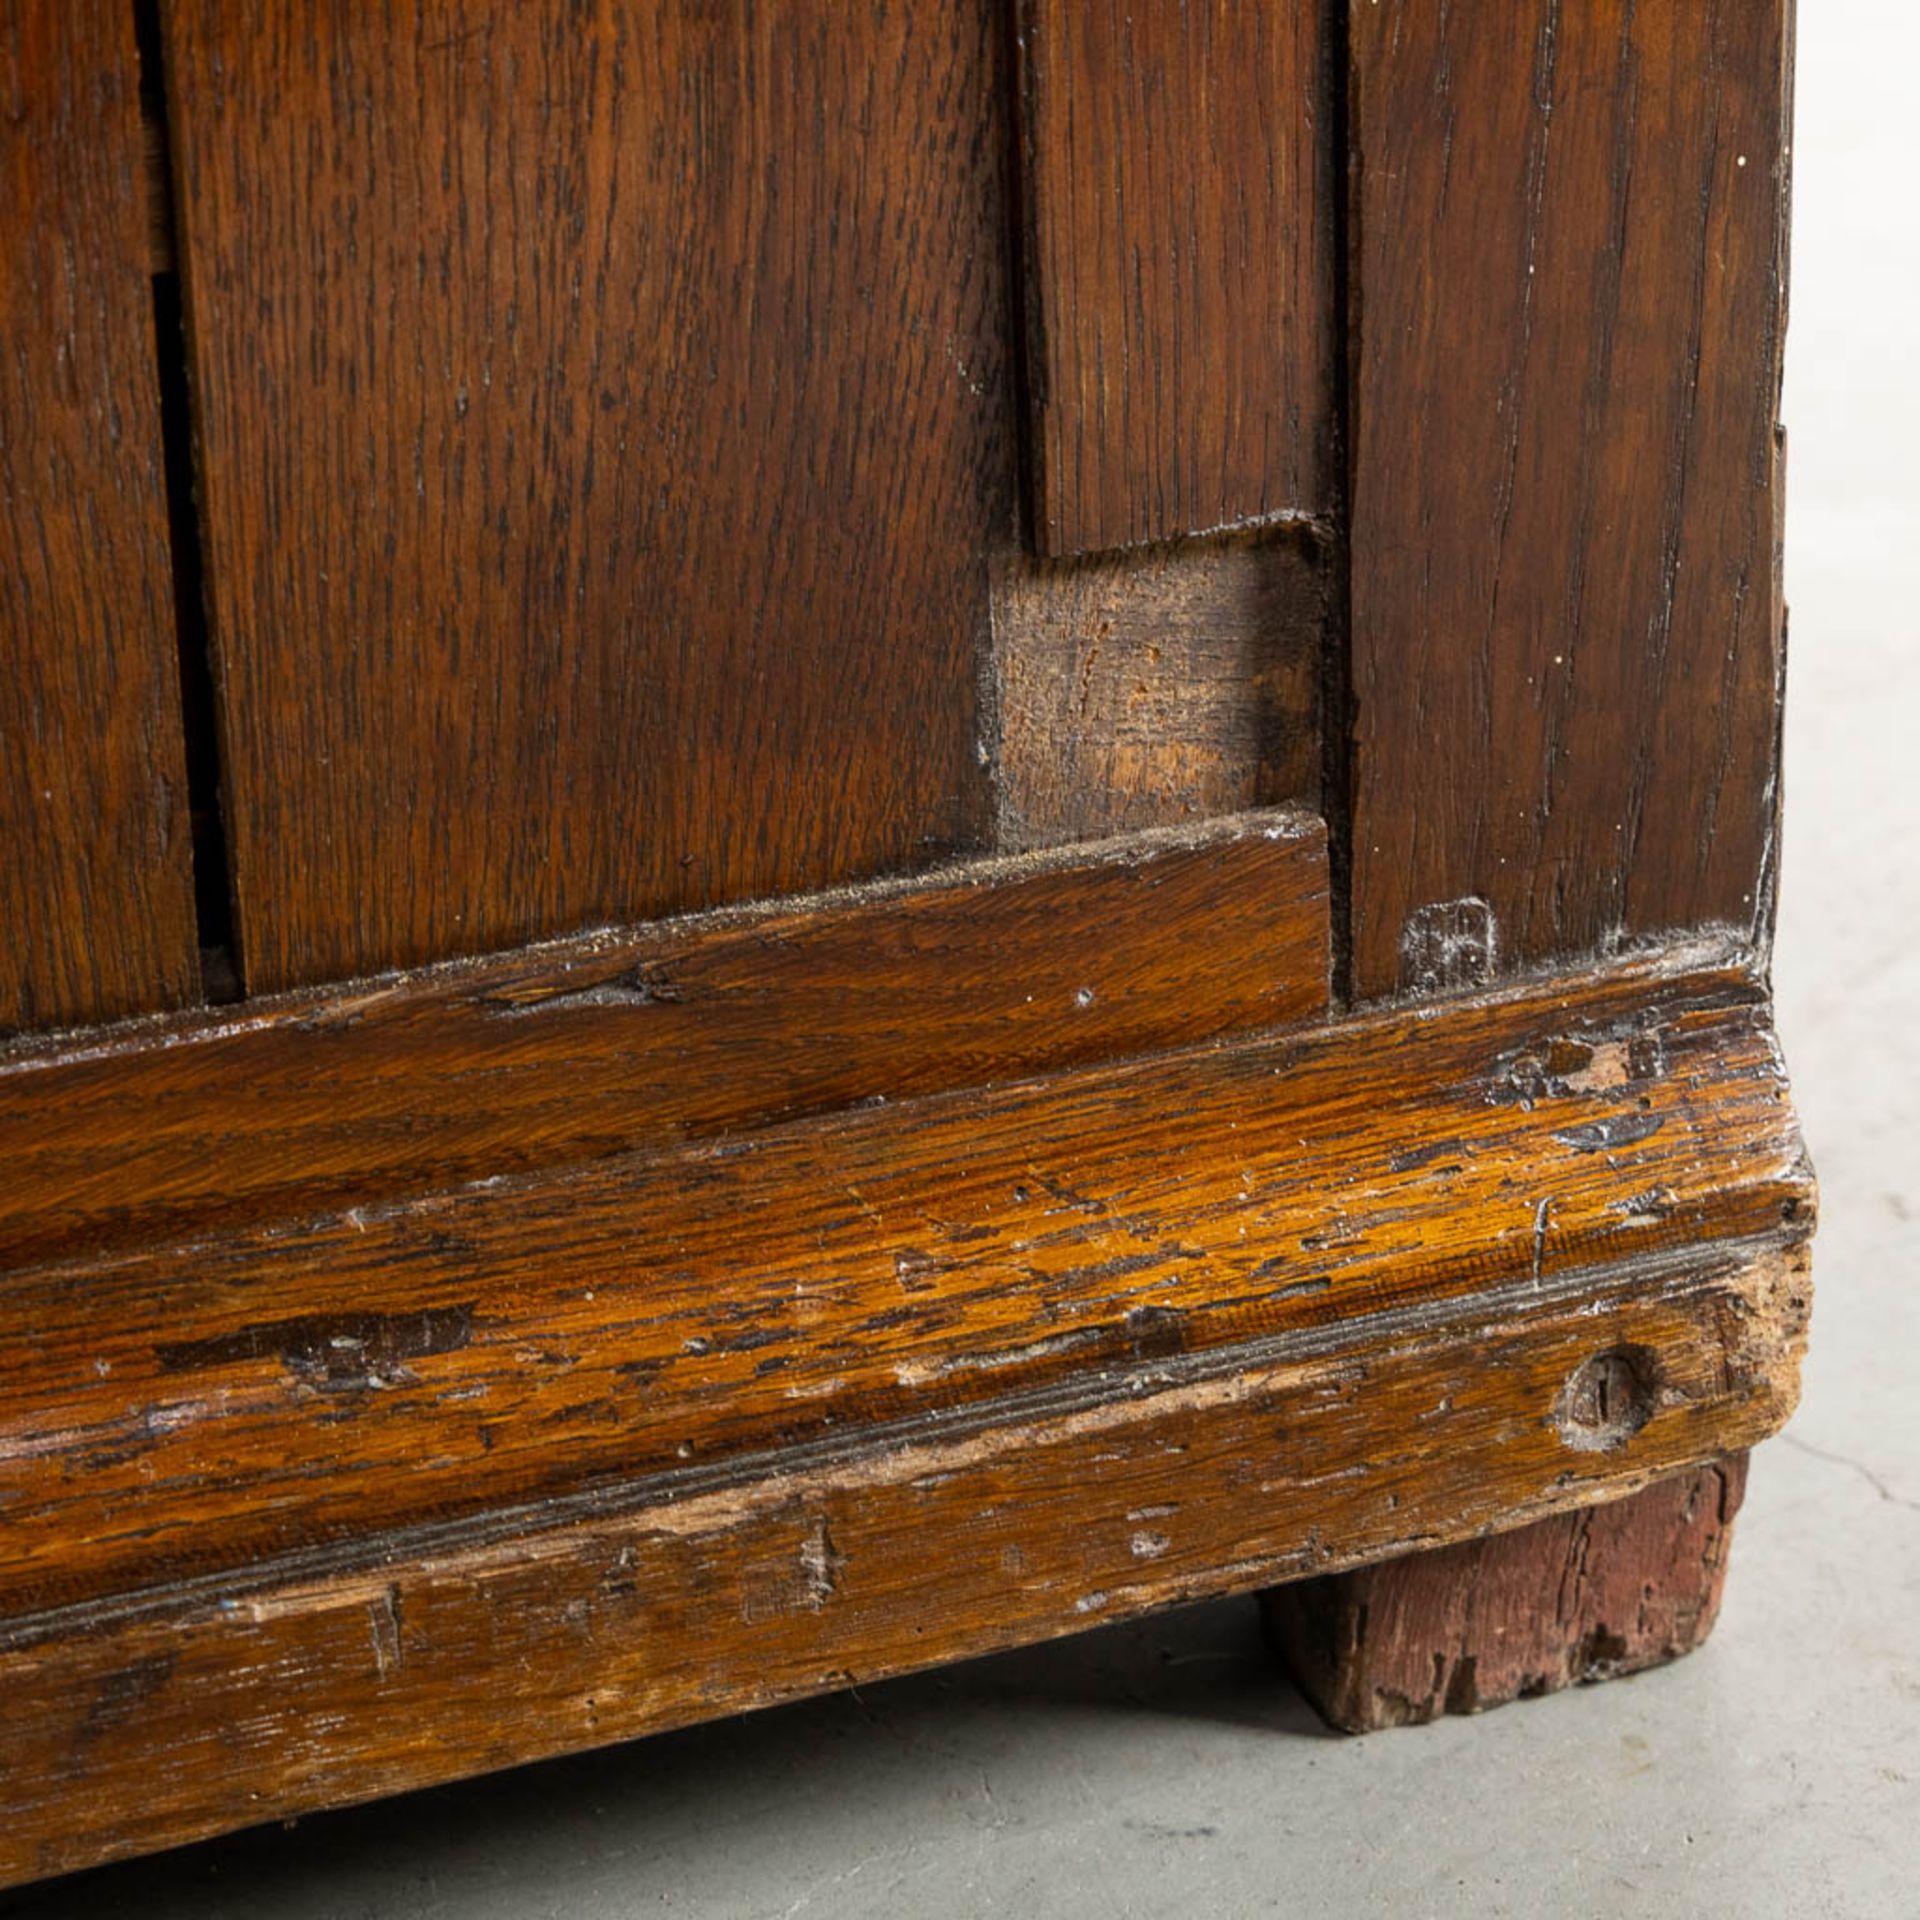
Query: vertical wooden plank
1569	223
96	899
604	425
1180	263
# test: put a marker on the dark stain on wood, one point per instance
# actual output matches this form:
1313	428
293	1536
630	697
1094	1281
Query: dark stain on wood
119	1696
339	1353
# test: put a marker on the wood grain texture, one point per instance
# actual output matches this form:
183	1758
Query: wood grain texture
1566	622
649	1036
1588	1595
603	424
96	887
1179	181
1162	685
189	1409
178	1714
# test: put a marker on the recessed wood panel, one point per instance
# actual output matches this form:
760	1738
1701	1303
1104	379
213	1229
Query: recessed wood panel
1158	687
1566	624
96	889
1180	253
603	418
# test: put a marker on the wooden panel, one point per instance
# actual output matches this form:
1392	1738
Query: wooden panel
1157	686
1566	624
195	1407
603	423
1180	252
603	1044
96	888
285	1689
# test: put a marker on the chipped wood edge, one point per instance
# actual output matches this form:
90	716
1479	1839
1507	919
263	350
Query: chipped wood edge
798	1578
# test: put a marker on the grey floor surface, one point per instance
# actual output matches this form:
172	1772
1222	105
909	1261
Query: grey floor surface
1164	1768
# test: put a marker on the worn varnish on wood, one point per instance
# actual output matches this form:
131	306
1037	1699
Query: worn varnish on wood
520	1339
1159	686
1587	1595
290	1689
96	887
645	1036
1565	621
1180	254
1219	1411
605	416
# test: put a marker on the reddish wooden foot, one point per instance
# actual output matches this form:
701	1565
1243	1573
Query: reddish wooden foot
1588	1595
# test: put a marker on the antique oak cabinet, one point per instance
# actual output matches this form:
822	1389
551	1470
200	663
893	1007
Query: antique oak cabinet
837	830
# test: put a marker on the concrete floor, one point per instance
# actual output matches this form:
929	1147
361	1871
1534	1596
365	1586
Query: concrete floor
1165	1768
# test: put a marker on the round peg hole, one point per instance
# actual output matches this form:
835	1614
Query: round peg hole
1607	1399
